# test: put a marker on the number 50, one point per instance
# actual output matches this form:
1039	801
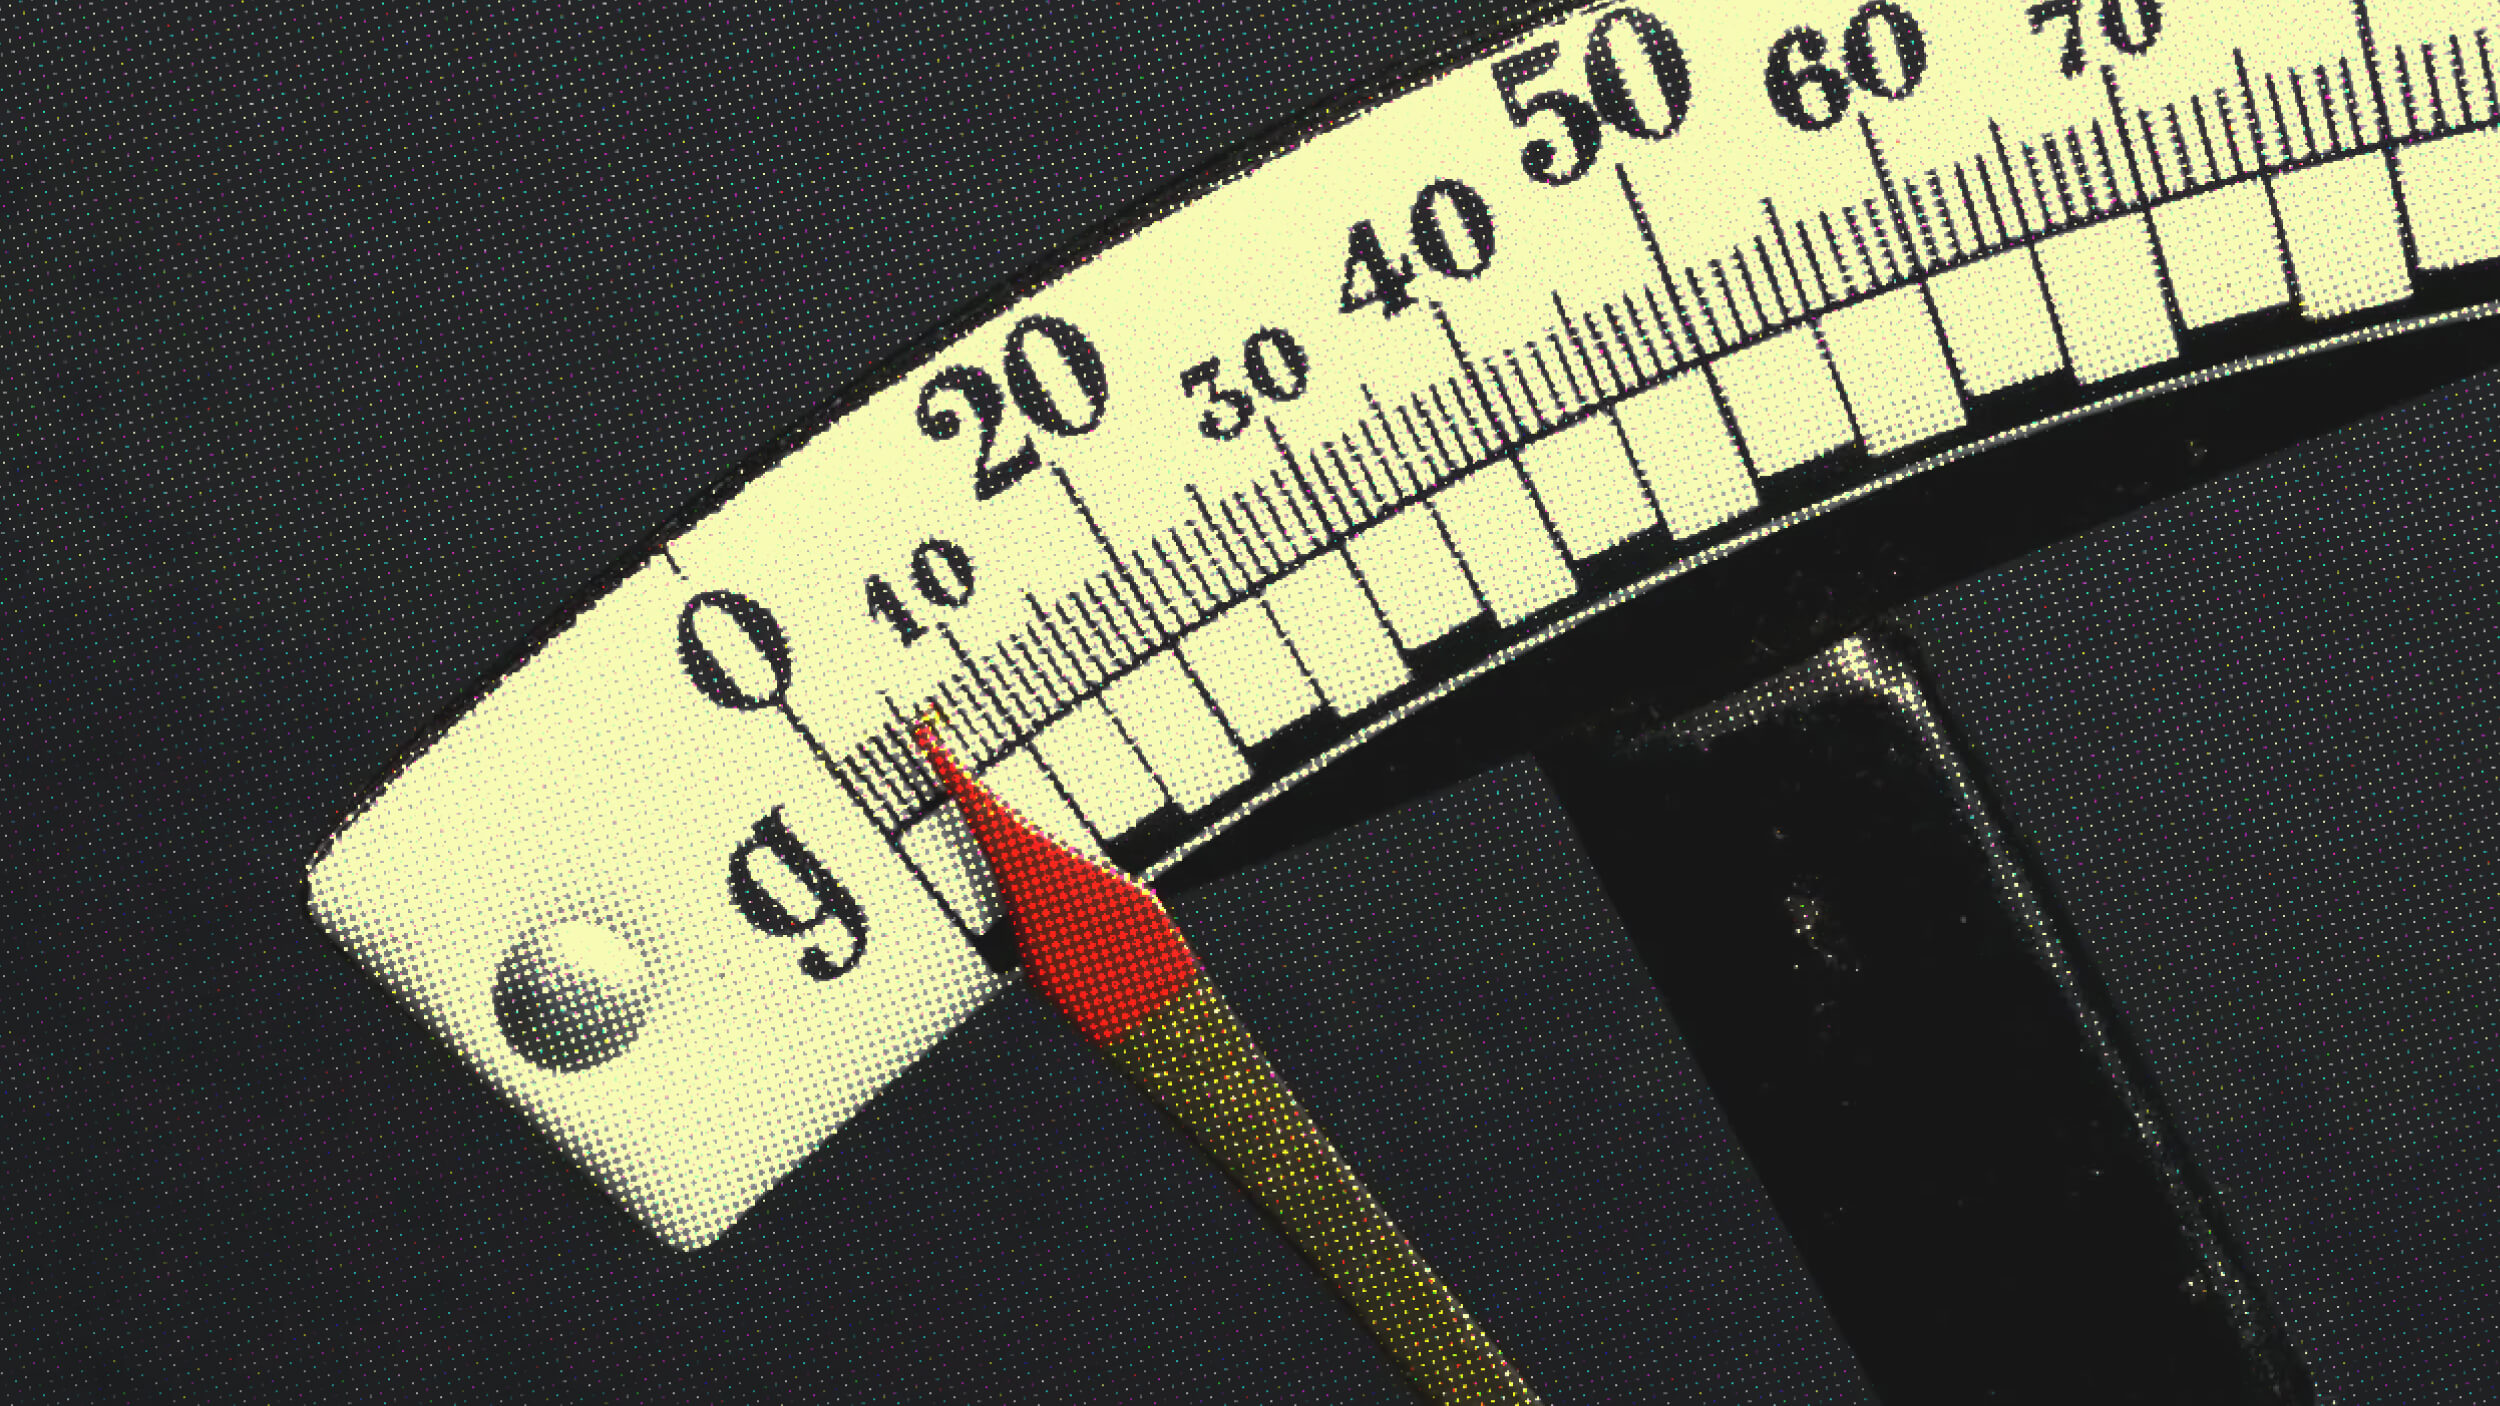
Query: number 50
1614	104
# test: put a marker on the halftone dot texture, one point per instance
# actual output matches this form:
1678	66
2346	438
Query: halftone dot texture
1100	947
356	350
2254	735
674	864
1203	1066
1105	678
571	996
1095	942
1481	1044
1995	315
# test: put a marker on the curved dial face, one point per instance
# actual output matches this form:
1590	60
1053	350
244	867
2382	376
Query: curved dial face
1360	419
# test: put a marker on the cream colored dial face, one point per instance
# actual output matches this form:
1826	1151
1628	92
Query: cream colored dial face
1597	307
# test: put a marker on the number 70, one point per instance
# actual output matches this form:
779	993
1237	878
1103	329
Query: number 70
2131	34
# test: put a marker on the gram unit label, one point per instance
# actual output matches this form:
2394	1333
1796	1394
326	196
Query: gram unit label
1590	309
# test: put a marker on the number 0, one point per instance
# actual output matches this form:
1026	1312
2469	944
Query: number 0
1297	363
2147	24
1666	64
1433	242
1083	364
1901	36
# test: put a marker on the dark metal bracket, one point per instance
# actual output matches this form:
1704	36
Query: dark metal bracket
1937	1092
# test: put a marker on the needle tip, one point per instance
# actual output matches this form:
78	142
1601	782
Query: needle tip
950	775
1096	942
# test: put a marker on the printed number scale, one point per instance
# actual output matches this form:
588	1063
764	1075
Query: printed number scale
1360	420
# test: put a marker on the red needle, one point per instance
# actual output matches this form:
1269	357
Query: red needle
1098	944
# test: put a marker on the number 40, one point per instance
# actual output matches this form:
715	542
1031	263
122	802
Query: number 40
1372	281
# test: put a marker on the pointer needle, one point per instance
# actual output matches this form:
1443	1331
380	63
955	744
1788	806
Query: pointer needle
1100	947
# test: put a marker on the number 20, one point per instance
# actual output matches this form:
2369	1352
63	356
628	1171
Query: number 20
979	390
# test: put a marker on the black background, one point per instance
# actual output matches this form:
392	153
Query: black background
346	349
354	344
2253	737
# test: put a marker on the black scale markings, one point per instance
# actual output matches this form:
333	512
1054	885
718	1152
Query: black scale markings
2010	196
